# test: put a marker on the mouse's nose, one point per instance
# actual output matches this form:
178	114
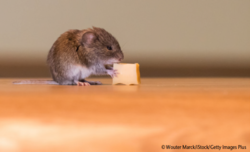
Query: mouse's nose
120	59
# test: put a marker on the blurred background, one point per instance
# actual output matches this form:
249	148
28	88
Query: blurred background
171	38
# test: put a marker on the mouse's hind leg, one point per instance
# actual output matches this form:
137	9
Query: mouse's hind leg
91	82
74	82
79	83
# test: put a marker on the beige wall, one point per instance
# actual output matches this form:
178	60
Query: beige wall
195	33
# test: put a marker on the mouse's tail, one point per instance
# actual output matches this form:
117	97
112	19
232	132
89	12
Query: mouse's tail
35	82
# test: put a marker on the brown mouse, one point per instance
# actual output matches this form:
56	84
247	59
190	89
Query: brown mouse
77	54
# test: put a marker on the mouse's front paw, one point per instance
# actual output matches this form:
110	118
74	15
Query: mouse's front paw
112	73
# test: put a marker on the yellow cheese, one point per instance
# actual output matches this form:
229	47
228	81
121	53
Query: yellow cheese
127	73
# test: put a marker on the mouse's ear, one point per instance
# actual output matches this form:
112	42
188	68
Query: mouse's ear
88	38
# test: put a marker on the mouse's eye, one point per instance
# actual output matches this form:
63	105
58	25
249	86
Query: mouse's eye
109	47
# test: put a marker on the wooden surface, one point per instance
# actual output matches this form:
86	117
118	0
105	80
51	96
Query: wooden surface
118	118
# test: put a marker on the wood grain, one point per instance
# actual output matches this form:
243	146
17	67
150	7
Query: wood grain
139	118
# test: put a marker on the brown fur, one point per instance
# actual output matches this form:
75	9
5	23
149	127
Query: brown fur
82	47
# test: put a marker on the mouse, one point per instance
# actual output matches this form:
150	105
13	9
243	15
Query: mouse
77	54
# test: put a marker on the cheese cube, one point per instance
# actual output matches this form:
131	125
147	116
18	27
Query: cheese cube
127	73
